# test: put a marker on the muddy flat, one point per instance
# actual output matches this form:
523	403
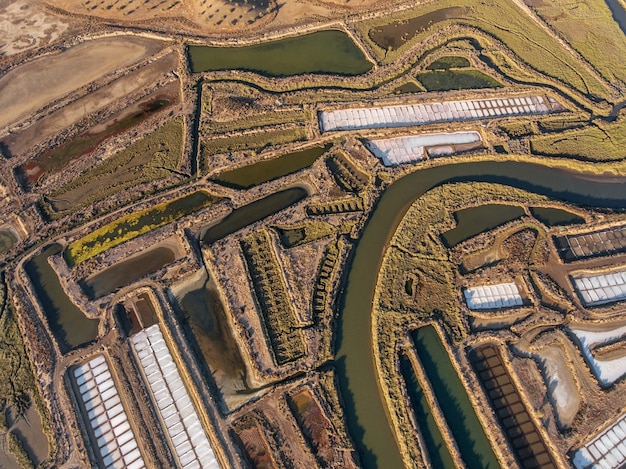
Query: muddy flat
28	87
93	102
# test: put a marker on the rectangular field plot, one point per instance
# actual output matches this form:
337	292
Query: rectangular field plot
429	113
606	450
187	436
528	446
112	437
503	295
602	288
398	150
592	244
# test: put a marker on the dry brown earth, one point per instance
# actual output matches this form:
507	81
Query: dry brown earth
31	86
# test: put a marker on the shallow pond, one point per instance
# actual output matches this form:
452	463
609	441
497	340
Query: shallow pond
253	212
322	52
264	171
474	220
68	323
550	216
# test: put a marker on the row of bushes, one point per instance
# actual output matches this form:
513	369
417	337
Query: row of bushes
350	204
277	311
347	176
324	278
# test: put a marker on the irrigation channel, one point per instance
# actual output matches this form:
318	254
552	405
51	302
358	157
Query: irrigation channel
68	323
358	380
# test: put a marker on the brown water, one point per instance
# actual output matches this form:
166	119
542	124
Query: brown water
127	271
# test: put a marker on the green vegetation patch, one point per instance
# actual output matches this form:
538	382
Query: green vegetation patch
152	158
253	141
408	87
602	142
303	233
444	80
504	21
134	225
17	384
518	129
253	121
264	171
322	52
588	25
449	61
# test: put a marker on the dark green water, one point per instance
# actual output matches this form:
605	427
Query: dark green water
69	325
474	220
454	403
125	272
264	171
322	52
555	216
358	380
254	211
438	454
445	80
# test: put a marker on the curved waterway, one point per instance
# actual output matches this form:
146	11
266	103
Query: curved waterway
367	419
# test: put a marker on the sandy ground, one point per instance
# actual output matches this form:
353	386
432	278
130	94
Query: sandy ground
28	87
93	102
25	25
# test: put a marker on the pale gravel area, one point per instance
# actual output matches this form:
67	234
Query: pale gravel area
29	87
562	388
25	25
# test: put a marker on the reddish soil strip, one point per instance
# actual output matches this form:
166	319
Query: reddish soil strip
53	160
257	448
521	431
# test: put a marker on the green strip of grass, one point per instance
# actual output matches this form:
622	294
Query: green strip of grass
604	142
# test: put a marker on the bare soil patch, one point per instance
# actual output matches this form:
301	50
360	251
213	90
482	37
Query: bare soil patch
29	87
18	143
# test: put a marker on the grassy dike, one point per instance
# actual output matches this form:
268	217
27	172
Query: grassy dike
503	20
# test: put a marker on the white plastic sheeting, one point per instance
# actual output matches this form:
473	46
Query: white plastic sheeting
190	443
602	288
420	114
503	295
115	440
606	371
606	450
398	150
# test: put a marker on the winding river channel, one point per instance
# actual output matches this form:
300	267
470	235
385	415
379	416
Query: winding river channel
367	419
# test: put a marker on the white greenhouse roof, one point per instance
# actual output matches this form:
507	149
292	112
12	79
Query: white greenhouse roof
601	289
189	440
503	295
606	450
115	440
419	114
398	150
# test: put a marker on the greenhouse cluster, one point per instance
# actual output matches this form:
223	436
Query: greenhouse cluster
420	114
602	288
106	417
502	295
412	148
187	436
607	450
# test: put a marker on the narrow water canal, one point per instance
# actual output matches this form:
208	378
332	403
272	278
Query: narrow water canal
367	419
